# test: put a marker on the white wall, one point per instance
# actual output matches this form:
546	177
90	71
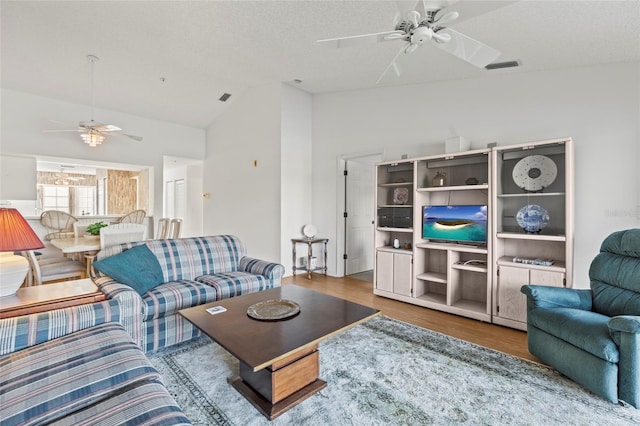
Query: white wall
245	200
24	116
598	107
295	170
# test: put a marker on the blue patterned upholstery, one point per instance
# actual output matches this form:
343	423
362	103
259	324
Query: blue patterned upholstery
24	331
92	376
197	270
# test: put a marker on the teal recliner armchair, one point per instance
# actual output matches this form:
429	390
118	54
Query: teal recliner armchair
593	336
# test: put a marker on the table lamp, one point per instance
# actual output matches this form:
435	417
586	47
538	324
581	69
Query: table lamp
15	235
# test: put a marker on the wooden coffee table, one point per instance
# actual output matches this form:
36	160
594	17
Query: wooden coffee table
279	360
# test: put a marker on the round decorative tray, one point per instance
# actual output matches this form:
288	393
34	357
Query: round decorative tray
273	310
534	173
532	218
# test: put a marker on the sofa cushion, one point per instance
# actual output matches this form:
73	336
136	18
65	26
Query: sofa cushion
583	329
47	381
187	258
137	267
232	284
168	298
146	403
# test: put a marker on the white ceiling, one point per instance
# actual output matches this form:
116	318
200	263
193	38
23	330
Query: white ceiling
206	48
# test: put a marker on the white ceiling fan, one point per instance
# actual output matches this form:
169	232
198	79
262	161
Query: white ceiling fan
428	21
92	132
63	177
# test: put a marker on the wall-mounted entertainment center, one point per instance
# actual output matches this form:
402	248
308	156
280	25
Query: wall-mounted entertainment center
462	232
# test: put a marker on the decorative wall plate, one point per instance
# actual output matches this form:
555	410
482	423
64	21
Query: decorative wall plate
273	310
535	172
309	231
532	218
400	195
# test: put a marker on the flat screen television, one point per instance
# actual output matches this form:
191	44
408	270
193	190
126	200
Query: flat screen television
460	224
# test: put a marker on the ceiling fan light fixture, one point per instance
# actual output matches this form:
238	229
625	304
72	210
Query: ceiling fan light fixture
92	138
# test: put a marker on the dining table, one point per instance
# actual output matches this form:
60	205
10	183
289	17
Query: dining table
75	245
78	246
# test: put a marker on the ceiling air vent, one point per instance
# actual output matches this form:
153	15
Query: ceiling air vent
500	65
224	97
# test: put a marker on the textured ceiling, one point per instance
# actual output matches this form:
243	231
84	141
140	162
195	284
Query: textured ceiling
206	48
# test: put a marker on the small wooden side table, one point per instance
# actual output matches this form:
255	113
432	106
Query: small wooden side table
309	242
47	297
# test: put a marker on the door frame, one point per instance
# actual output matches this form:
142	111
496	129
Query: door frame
341	204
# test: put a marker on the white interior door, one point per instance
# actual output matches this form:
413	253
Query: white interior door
359	192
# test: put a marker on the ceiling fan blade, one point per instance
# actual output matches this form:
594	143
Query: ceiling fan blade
133	137
404	7
414	18
63	130
447	18
355	41
441	37
468	49
397	35
107	128
395	67
89	124
471	9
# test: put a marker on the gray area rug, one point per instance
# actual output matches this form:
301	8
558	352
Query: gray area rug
385	372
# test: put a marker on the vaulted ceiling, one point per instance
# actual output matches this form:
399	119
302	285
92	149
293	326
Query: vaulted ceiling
172	60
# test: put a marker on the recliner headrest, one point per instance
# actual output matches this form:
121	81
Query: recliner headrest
625	243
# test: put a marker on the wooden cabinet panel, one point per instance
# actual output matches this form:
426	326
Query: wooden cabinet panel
384	271
402	274
550	278
511	303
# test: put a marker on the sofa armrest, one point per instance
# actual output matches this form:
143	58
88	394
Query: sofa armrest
273	271
625	324
539	296
132	308
20	332
625	332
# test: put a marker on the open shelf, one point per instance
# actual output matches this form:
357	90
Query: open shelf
471	305
524	236
395	184
435	277
557	266
453	188
385	229
434	298
452	246
532	195
470	267
391	249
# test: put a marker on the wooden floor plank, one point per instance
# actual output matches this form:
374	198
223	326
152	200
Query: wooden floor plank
493	336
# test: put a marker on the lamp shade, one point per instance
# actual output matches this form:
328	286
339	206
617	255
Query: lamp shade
15	232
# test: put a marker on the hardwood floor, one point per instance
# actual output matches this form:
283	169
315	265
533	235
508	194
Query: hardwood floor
500	338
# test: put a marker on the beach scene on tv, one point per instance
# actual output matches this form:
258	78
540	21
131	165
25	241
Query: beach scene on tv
455	223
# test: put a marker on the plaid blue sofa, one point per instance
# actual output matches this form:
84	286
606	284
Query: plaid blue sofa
196	271
79	366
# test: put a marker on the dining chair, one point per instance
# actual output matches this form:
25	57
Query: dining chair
59	224
176	228
52	269
121	233
163	228
135	216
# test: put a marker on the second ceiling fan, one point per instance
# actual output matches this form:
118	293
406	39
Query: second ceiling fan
92	132
428	21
